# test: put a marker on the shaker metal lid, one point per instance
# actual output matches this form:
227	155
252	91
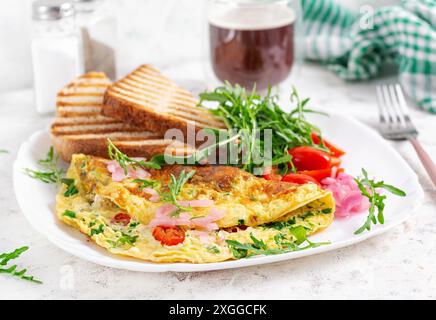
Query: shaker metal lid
52	9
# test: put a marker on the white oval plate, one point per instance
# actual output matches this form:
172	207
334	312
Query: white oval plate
365	148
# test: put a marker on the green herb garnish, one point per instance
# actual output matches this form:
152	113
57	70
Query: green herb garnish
259	247
124	239
144	183
133	224
213	249
175	186
281	224
4	151
52	173
99	230
71	188
69	213
124	161
368	188
12	270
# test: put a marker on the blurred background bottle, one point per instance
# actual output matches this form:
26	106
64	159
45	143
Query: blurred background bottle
98	28
57	54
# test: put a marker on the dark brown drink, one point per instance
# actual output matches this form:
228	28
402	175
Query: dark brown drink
248	55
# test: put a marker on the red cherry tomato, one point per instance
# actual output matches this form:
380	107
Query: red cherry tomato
273	175
320	175
308	158
333	149
335	162
121	218
299	178
169	236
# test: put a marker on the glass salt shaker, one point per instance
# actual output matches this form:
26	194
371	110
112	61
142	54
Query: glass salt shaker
57	55
98	27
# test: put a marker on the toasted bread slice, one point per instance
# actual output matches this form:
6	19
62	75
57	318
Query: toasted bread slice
147	99
79	126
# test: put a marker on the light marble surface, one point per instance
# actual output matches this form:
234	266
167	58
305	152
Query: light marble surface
398	264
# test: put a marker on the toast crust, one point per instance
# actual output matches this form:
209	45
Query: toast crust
66	148
130	113
156	107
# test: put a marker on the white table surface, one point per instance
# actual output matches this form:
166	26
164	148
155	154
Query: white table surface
398	264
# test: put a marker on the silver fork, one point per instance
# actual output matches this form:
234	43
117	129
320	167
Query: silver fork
395	123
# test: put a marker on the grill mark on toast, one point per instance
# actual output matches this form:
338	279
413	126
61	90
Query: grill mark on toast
171	109
95	128
138	86
150	100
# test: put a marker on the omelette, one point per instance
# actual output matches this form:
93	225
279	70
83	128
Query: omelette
220	213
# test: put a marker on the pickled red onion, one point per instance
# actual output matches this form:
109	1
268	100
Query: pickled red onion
155	197
118	173
348	197
196	203
163	218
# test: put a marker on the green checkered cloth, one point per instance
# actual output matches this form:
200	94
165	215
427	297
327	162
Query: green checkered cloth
357	46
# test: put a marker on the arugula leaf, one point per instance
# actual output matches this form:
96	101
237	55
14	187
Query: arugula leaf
144	183
12	270
69	213
175	186
52	173
299	233
251	113
258	247
369	188
71	188
6	257
124	161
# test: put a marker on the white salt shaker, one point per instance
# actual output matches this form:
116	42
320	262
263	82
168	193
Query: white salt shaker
57	52
98	26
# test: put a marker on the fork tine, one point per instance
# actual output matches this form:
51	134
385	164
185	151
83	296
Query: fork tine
398	112
395	122
380	105
388	104
403	106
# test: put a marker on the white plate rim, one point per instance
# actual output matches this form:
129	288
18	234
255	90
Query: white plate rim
137	265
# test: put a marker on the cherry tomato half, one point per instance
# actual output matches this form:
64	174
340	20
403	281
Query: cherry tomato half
320	175
308	158
333	149
272	175
169	236
299	178
121	218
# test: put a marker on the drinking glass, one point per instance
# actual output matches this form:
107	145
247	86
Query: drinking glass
253	43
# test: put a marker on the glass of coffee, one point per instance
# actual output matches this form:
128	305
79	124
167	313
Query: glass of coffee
253	43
